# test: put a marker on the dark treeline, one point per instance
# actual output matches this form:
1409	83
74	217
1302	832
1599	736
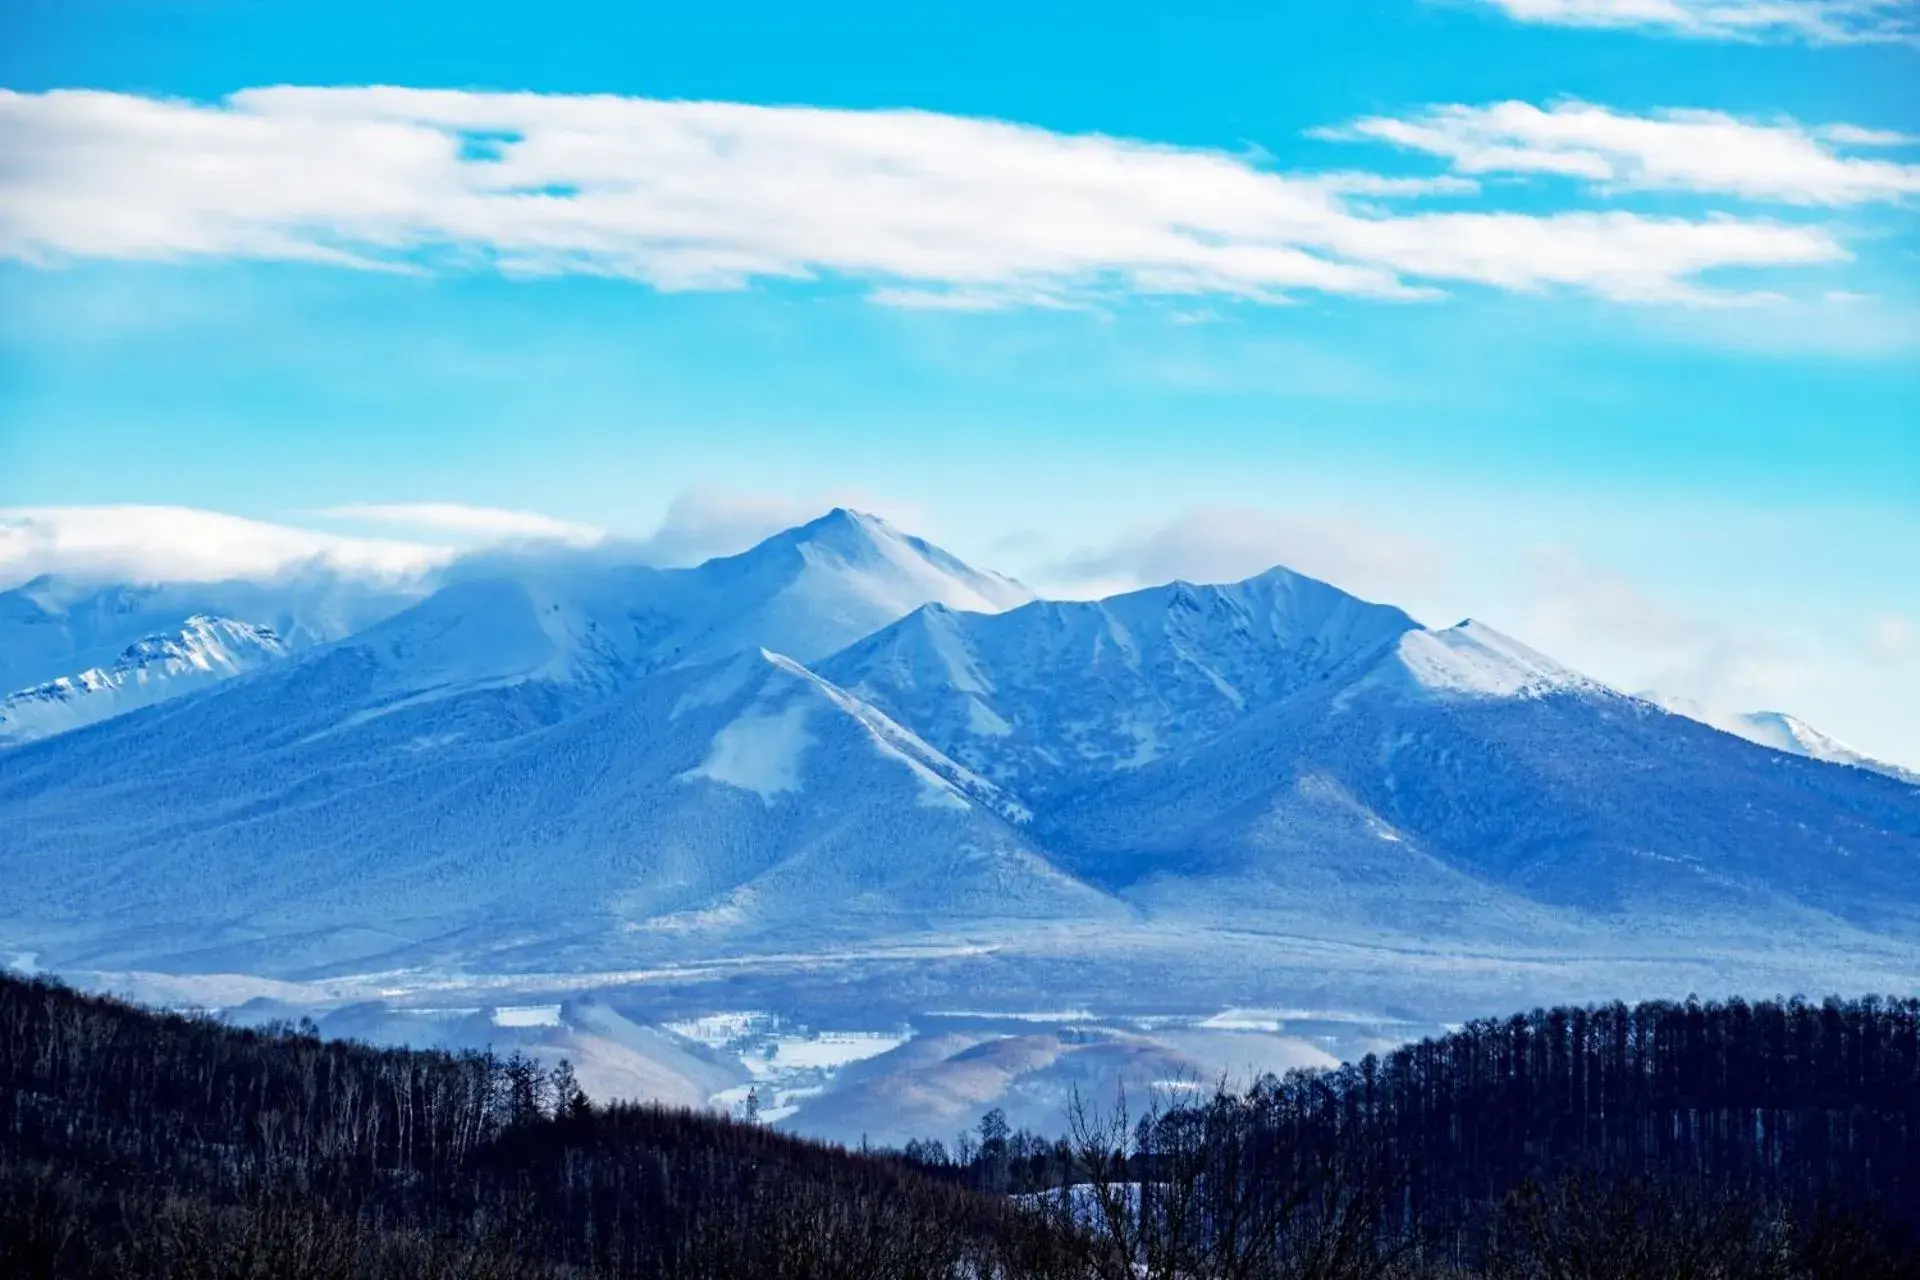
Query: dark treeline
1796	1123
1665	1141
135	1144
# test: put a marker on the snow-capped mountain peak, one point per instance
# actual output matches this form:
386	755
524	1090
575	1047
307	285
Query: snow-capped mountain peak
205	650
890	562
819	587
1782	732
585	623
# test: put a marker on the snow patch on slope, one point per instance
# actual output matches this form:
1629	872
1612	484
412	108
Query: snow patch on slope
1472	660
764	748
760	752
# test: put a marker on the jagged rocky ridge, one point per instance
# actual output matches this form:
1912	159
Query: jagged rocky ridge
152	669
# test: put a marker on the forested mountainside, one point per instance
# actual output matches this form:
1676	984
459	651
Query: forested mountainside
1767	1140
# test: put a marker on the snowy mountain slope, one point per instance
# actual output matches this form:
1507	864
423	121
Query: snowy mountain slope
1464	774
152	669
1472	661
705	806
56	626
582	618
940	1082
73	651
585	619
1045	696
1782	732
569	761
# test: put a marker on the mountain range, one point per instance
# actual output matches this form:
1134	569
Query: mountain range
845	739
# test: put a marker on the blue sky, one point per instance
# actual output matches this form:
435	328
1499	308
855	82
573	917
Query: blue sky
1627	363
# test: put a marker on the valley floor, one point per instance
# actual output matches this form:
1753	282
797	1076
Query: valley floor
917	1036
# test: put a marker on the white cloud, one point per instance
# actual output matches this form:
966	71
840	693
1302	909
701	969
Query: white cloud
133	543
1853	135
1815	21
1605	622
1382	185
1228	543
1840	322
1862	688
1577	607
181	544
964	299
484	524
703	195
1704	151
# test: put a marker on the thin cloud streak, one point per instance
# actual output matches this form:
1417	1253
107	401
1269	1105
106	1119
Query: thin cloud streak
1812	21
466	521
1223	543
1697	151
709	195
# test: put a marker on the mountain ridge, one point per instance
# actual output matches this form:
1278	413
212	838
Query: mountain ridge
157	667
1155	669
1782	732
567	760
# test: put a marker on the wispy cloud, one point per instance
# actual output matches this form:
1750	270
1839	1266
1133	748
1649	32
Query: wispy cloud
1892	638
147	544
1814	21
965	299
1579	608
183	544
487	524
1703	151
1228	543
1839	323
1639	639
691	195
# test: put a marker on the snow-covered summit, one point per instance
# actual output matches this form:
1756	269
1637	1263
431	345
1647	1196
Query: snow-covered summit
55	626
890	562
1782	732
589	619
582	619
154	668
818	587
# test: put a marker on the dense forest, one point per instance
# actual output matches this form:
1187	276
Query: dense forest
1663	1140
